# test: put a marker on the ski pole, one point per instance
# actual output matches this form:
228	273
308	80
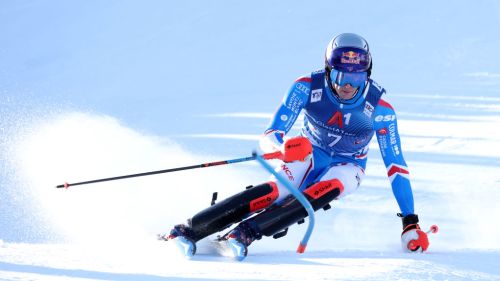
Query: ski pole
302	199
434	229
267	156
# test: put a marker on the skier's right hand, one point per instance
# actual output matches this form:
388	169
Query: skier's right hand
296	149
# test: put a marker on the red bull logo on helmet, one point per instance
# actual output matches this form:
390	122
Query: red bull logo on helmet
351	57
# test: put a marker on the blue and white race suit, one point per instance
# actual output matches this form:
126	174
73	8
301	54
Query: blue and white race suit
340	134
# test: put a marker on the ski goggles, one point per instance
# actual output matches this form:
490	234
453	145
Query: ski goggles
349	59
356	79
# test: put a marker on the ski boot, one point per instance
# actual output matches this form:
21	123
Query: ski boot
235	243
181	235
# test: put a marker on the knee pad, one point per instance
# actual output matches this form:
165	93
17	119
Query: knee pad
233	209
281	216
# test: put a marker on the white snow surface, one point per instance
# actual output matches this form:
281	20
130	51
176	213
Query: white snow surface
107	231
94	89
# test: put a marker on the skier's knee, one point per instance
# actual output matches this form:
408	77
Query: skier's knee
268	194
323	192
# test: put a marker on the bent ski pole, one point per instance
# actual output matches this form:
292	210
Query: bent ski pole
302	199
267	156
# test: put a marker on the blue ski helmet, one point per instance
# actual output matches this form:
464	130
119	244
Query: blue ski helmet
347	61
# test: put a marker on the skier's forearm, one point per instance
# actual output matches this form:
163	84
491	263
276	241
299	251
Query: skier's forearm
286	115
385	124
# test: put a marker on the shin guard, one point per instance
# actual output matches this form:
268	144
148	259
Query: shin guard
281	216
233	209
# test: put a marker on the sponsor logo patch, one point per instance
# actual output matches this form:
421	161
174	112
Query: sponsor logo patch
368	109
351	57
302	88
316	95
392	139
385	118
382	131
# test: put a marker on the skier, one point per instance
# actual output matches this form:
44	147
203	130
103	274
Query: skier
343	108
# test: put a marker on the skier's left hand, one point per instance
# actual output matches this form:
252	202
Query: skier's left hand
413	239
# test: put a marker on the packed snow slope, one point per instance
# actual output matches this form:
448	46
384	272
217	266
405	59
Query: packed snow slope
92	89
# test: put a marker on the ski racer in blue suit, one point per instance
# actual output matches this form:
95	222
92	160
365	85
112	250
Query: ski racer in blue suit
343	108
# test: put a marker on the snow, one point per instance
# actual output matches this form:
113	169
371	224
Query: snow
153	263
107	231
85	94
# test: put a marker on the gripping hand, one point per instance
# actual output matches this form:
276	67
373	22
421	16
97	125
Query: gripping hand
413	239
296	149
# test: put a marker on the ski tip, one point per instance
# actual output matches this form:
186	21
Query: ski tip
162	237
302	248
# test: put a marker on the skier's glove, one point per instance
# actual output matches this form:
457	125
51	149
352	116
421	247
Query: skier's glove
413	239
296	149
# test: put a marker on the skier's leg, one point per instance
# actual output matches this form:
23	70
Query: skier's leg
221	215
350	175
226	212
281	216
239	206
231	210
295	173
337	181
